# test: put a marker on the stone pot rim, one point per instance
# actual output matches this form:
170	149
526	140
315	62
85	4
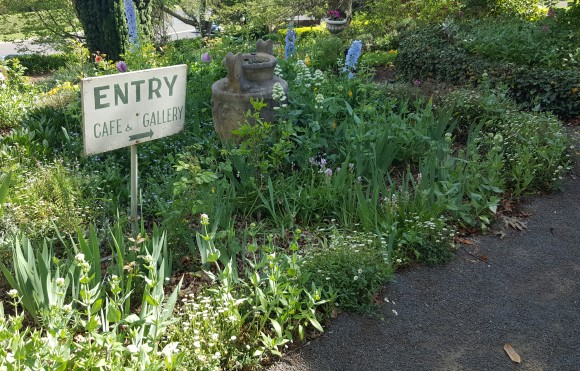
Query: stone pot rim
335	22
270	62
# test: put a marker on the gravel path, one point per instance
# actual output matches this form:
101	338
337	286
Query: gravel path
523	289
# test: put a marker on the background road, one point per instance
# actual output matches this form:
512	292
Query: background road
176	30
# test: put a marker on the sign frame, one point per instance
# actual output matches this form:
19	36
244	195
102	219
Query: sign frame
134	107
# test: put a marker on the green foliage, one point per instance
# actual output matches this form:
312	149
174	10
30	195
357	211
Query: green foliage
430	54
303	34
532	146
51	193
99	314
236	323
105	26
48	21
383	17
40	285
521	8
540	43
386	161
378	58
325	53
534	150
545	89
353	264
4	190
16	96
37	64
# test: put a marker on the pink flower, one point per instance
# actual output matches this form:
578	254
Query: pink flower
545	28
122	66
334	15
205	58
417	82
98	59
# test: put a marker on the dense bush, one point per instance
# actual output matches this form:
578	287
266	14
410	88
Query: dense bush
431	54
547	90
378	58
355	265
16	95
428	53
37	64
523	8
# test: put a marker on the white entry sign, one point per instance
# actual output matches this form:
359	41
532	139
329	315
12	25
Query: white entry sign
134	107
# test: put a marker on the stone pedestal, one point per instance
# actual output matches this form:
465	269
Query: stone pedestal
249	76
229	107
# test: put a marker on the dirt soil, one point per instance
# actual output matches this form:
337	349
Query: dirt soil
523	289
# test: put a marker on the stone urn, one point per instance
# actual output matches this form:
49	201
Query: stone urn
335	27
250	75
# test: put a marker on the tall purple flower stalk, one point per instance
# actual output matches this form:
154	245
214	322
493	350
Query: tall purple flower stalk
352	56
131	22
290	40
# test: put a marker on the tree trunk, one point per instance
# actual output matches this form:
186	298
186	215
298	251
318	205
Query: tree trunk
105	26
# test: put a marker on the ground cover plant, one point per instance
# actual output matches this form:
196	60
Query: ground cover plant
246	250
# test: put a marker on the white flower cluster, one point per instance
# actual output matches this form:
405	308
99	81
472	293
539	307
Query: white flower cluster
278	71
318	77
319	99
303	74
279	95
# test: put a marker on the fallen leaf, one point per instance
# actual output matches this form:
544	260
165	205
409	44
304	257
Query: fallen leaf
463	241
501	234
506	205
512	353
514	223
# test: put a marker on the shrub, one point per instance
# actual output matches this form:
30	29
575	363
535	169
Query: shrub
354	265
48	193
524	8
428	53
378	58
545	89
16	94
325	52
513	40
37	64
303	33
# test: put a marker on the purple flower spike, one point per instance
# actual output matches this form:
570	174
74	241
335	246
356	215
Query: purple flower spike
205	58
122	66
131	22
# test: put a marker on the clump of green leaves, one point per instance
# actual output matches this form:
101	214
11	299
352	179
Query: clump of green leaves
353	265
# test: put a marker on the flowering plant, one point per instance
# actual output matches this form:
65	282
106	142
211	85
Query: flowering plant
335	15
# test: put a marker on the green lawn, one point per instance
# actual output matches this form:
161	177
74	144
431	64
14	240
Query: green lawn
11	27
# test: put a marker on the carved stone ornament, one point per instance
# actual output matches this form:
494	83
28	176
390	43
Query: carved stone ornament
249	75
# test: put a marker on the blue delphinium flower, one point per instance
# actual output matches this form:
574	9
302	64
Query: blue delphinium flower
131	22
352	57
290	40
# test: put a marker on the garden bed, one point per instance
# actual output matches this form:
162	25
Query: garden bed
265	240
